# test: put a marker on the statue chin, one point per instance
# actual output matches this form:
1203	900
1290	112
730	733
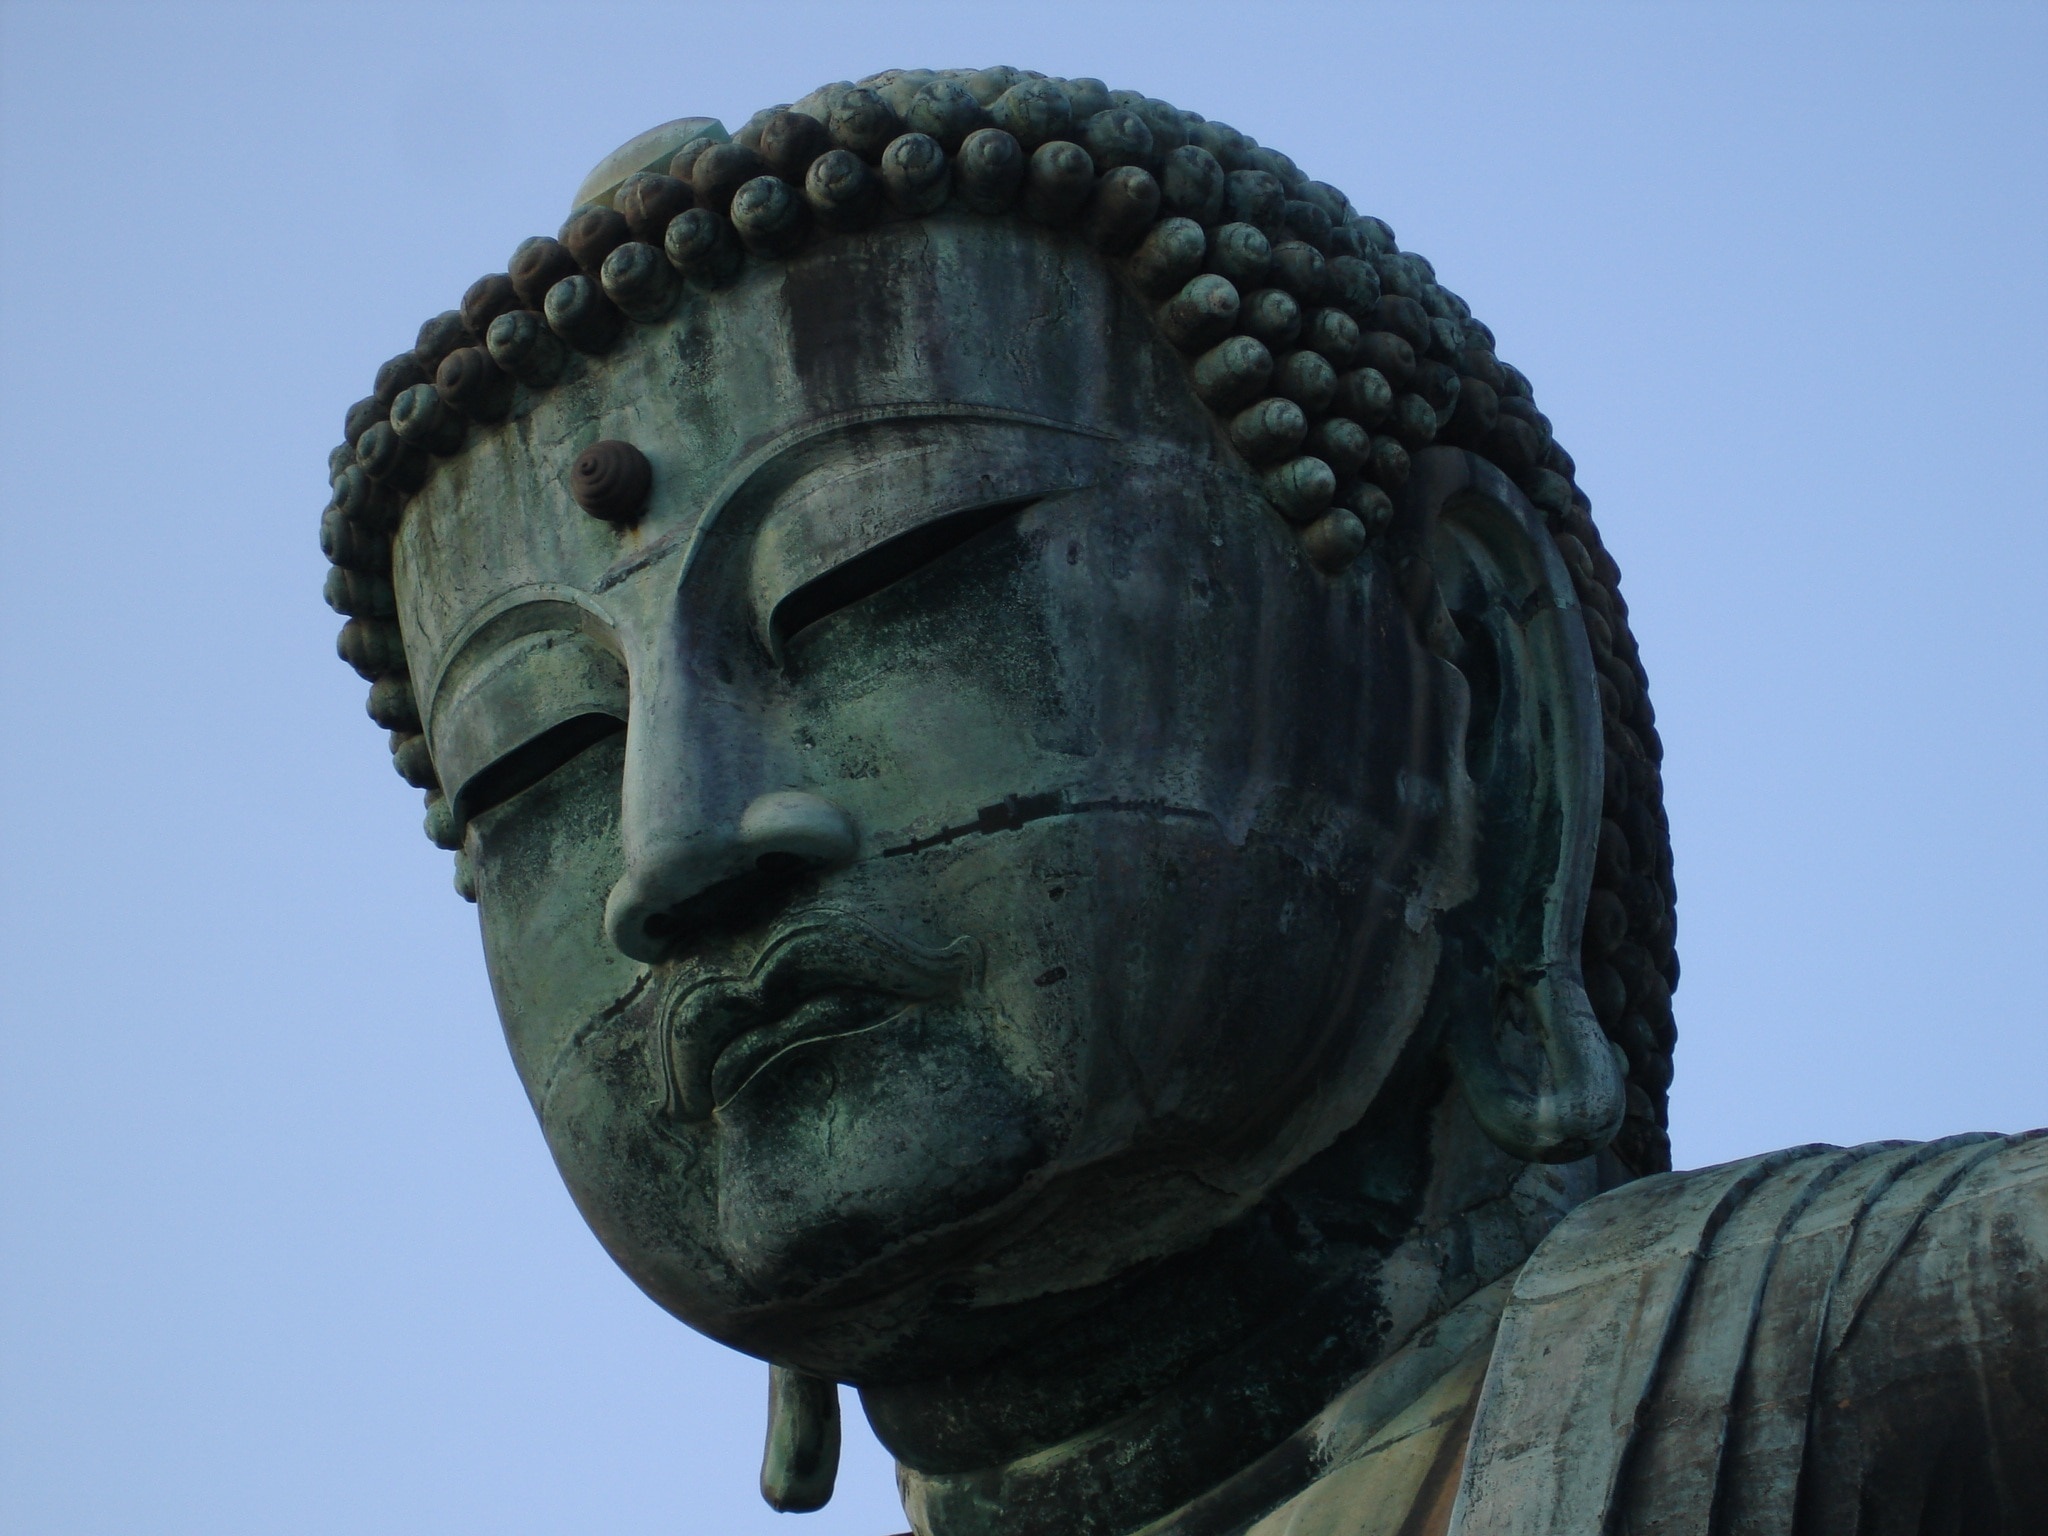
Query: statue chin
841	1151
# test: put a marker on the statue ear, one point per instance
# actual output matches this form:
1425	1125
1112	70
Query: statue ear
801	1461
1491	597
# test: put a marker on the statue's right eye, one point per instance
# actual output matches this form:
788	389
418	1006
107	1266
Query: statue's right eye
511	715
526	765
881	566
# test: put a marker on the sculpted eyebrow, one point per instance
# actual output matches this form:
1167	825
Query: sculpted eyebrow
885	564
812	432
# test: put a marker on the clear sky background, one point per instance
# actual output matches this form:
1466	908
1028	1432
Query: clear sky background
281	1252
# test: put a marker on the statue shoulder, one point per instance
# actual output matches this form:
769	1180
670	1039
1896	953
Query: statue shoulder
1776	1335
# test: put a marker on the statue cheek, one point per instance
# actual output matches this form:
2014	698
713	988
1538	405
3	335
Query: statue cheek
543	866
1211	970
644	1191
845	1148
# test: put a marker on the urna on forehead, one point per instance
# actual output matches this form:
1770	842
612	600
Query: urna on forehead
993	238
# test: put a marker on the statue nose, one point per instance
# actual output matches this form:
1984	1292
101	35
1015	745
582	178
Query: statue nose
714	877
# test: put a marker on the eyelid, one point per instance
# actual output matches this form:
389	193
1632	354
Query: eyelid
882	565
523	695
873	490
533	760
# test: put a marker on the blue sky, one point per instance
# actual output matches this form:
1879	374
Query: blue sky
282	1249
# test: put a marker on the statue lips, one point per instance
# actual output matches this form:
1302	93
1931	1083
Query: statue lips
821	975
831	1014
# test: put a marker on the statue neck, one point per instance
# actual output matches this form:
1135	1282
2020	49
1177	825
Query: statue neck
1169	1382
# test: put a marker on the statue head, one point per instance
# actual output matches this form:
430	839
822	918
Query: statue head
1000	665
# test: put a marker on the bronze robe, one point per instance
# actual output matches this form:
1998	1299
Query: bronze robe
1816	1342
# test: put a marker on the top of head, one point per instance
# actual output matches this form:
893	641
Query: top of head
1325	355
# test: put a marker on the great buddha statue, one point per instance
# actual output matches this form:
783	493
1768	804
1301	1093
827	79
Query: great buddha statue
1067	829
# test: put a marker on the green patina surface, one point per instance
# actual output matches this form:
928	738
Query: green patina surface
1119	941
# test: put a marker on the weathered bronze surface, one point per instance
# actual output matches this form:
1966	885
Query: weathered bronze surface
1076	842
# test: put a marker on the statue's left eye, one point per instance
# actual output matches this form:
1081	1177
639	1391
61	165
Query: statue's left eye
883	565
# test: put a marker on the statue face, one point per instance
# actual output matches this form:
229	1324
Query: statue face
1004	871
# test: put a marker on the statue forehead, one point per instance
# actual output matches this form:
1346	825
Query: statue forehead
759	380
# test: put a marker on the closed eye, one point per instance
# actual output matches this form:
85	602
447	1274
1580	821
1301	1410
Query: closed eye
526	765
881	566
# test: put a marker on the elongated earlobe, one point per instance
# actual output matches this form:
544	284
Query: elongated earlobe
801	1462
1540	1077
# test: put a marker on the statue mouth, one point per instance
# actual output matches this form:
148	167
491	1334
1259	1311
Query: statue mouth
831	1014
820	975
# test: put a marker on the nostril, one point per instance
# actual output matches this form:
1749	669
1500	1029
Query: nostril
734	882
739	902
792	824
